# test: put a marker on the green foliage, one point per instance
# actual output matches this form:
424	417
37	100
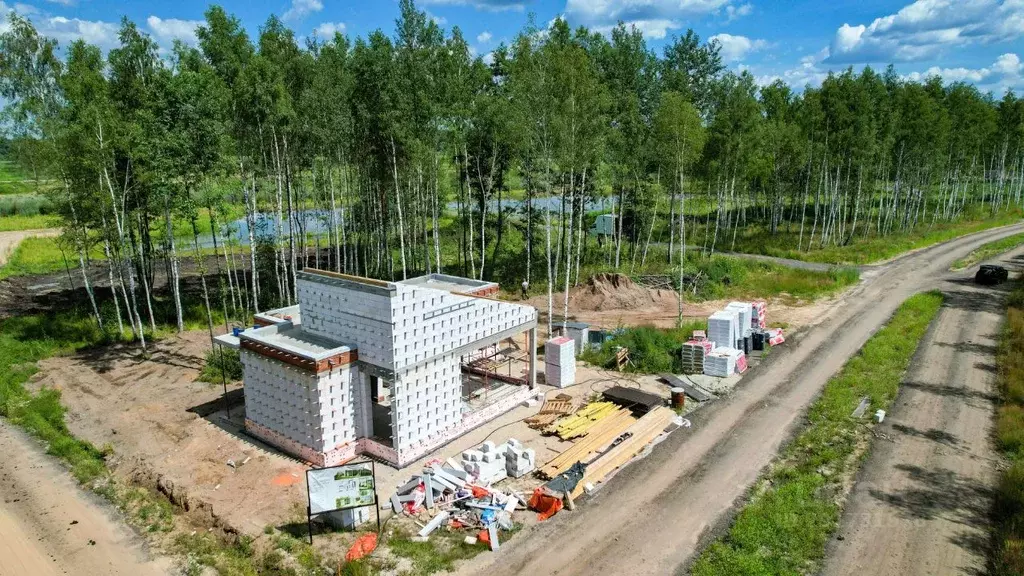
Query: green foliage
221	364
24	205
651	350
1008	555
987	251
793	512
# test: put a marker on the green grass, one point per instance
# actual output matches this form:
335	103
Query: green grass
221	364
794	508
23	222
987	251
870	249
651	350
40	256
438	554
1008	555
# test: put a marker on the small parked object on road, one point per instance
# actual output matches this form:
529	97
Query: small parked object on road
990	275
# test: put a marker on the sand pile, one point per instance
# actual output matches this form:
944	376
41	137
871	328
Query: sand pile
607	291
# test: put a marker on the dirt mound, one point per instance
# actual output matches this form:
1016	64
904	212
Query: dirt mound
607	291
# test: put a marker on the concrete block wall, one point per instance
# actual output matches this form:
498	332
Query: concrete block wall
430	322
337	405
355	317
427	400
282	398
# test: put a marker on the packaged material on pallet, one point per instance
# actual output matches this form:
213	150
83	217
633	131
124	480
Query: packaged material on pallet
722	362
774	337
694	352
560	362
560	351
723	328
758	310
745	311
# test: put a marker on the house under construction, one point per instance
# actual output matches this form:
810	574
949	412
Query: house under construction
388	369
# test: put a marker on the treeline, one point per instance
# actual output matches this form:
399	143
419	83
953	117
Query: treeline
375	138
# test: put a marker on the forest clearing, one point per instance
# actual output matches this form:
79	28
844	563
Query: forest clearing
156	203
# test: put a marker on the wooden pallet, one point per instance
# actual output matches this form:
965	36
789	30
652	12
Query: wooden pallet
642	432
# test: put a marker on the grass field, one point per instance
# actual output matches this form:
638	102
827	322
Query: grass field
1008	557
40	256
793	508
988	251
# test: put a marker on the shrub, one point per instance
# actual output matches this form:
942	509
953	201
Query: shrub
220	364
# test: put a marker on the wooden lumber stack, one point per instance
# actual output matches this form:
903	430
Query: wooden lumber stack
600	435
551	411
642	432
579	424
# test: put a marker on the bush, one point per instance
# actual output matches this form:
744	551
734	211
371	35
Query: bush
651	350
24	205
221	363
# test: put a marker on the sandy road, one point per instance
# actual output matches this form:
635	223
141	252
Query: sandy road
654	515
921	503
48	525
10	240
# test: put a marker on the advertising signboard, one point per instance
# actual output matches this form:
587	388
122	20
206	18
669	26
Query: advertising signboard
341	487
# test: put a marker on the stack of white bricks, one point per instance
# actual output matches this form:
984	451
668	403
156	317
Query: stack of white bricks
489	463
745	311
723	328
722	362
519	461
560	362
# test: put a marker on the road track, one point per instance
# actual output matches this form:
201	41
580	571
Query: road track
656	514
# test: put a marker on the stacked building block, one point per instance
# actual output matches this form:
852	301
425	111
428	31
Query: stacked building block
488	463
745	311
723	328
694	352
560	362
722	362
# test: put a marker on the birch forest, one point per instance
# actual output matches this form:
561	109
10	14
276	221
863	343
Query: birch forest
218	171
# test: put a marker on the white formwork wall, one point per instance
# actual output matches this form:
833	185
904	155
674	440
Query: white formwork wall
358	318
316	411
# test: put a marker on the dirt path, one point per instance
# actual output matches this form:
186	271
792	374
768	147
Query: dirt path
10	240
48	525
654	515
921	503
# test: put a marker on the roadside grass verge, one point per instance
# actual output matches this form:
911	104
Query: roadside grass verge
32	222
987	251
796	506
873	248
1008	516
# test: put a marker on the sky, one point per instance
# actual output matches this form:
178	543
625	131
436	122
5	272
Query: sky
798	41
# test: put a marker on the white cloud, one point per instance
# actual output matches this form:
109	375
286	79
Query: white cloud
652	17
67	30
439	20
327	30
62	2
484	37
737	12
174	29
493	5
734	48
24	9
1005	73
926	28
302	8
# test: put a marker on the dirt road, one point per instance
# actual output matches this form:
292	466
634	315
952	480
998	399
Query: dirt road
10	240
653	516
921	503
48	525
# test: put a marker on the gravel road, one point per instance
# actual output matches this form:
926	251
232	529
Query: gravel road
654	515
921	503
49	525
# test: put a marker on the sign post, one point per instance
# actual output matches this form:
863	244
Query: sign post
352	485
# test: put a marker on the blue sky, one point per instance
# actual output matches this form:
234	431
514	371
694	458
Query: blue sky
799	40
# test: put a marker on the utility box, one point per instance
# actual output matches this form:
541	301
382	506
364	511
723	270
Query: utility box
604	225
